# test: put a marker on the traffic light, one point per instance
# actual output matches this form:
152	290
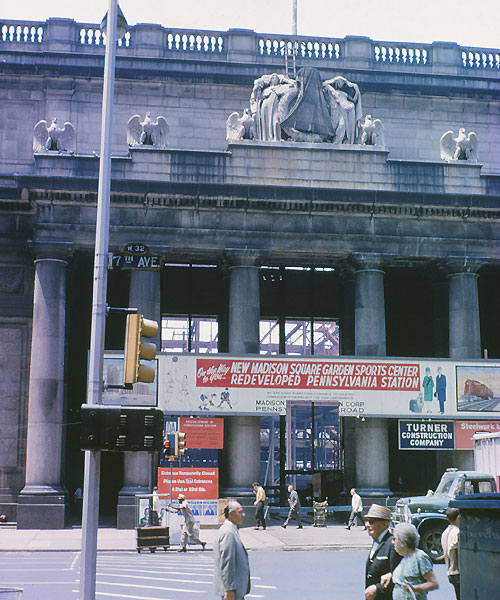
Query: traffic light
135	349
121	428
168	442
180	443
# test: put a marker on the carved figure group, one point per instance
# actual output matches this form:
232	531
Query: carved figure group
52	137
147	132
462	147
305	109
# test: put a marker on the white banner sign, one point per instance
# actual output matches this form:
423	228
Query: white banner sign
220	384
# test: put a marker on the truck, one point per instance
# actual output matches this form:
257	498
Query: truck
487	454
428	513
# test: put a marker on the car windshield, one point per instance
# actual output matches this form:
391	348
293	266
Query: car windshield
448	486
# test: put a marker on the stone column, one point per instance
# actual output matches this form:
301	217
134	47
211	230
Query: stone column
465	335
138	466
42	502
347	324
372	444
369	311
242	436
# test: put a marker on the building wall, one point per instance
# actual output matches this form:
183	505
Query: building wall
198	200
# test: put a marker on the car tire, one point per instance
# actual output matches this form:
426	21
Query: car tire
430	542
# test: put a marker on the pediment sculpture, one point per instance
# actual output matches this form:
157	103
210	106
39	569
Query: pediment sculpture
305	109
462	147
147	132
53	138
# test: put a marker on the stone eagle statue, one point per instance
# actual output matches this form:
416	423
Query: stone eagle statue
463	147
373	132
53	137
240	128
147	132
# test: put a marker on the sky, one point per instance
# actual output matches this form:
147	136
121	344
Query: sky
467	22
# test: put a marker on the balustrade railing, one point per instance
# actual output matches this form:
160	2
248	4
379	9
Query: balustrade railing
207	42
480	59
237	45
401	54
26	33
302	48
91	35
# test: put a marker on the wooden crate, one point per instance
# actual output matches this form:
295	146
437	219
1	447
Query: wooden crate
152	538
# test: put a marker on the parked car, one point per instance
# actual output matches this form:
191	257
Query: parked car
427	513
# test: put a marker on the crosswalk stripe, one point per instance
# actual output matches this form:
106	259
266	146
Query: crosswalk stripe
155	578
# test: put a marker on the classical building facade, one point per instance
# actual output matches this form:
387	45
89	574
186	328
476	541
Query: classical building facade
391	242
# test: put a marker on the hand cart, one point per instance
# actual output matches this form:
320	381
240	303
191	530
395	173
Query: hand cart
319	510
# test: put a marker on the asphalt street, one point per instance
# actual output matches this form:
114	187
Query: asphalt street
276	575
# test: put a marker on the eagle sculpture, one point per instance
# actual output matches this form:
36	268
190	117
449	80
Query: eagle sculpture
53	137
463	147
240	128
373	132
147	132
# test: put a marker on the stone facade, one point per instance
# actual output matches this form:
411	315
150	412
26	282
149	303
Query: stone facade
372	214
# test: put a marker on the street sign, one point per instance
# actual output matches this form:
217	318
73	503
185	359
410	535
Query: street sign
136	261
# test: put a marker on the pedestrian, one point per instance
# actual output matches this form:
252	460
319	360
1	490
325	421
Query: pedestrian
414	573
383	558
260	498
357	510
450	541
189	527
232	571
294	502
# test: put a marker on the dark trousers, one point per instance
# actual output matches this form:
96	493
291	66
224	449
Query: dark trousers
293	513
353	517
259	514
455	582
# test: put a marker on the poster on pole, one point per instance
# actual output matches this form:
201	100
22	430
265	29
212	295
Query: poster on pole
223	385
203	432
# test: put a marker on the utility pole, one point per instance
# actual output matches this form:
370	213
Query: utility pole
95	377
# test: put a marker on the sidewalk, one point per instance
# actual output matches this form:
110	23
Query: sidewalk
333	537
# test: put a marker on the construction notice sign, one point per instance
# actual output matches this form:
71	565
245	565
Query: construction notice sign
426	435
202	432
195	483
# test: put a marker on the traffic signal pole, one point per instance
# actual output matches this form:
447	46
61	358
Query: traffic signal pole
95	378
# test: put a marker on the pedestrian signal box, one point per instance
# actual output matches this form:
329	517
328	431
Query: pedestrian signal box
121	428
136	349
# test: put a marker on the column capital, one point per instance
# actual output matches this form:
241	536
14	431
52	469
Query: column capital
463	265
51	250
243	257
369	261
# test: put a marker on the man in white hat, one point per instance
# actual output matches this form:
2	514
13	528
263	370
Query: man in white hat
383	558
189	528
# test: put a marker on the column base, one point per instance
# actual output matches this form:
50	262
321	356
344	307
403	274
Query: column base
125	511
246	498
374	492
42	507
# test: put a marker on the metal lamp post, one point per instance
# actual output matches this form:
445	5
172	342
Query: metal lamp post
95	377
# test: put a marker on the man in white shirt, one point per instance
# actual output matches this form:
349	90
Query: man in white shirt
450	540
357	510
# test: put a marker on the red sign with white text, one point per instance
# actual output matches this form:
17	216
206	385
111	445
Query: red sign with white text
195	483
464	430
202	432
316	375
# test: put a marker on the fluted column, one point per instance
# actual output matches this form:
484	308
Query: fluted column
372	434
42	502
465	335
242	434
138	466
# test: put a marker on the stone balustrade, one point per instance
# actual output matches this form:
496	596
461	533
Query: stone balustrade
247	46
